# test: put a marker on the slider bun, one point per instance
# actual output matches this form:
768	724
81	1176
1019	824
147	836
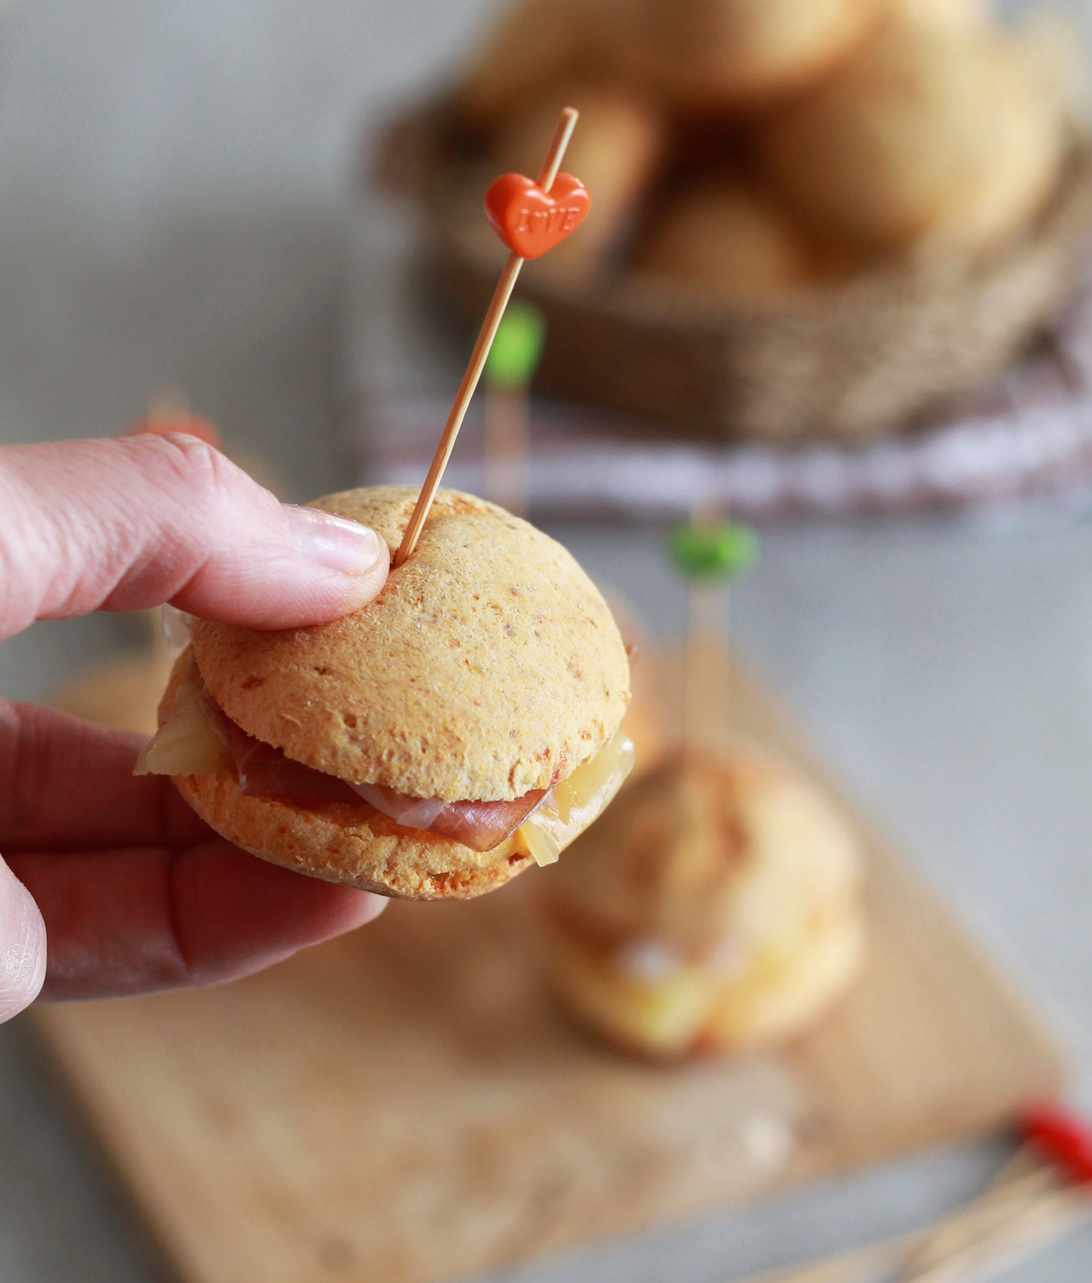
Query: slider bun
709	52
329	841
534	43
699	1012
728	240
489	665
956	17
926	137
736	873
707	844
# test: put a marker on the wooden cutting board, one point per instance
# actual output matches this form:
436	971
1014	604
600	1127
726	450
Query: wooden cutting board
405	1105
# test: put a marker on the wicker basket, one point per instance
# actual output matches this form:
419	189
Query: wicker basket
846	361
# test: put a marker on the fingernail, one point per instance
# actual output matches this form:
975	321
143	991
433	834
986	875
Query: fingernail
333	542
22	946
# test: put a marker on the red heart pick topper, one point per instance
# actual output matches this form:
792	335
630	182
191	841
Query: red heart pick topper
530	221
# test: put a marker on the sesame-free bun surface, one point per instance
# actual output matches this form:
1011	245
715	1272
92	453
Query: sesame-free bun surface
534	43
699	1012
711	52
715	907
489	665
944	138
730	240
707	846
951	17
331	841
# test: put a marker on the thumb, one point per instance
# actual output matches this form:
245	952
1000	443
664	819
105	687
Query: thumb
22	946
120	525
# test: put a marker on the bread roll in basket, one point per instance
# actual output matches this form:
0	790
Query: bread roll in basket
836	262
844	360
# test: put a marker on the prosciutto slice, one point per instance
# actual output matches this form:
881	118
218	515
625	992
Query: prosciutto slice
264	771
478	825
489	823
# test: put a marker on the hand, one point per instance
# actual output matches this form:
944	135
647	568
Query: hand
134	892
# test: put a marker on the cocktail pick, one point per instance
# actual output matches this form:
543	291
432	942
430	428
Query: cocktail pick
509	370
713	552
710	553
169	411
1046	1196
1063	1137
530	217
1041	1195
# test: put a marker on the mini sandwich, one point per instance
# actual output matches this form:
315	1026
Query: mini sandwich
460	727
716	908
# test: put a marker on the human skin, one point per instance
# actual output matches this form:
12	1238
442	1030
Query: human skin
109	883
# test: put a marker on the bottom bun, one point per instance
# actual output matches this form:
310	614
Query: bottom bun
698	1009
332	842
342	842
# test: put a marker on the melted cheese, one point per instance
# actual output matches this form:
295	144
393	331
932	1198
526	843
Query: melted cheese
577	801
186	743
679	1007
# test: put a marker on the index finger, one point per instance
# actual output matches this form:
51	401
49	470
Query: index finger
125	524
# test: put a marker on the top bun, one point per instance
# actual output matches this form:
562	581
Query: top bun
489	665
534	43
710	847
709	52
950	140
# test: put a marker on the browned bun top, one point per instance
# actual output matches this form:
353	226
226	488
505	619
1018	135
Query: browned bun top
661	859
950	136
706	846
711	52
488	665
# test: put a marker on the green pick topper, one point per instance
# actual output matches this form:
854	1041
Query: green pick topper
516	350
711	550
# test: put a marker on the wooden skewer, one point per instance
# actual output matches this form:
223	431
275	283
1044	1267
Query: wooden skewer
857	1265
705	713
501	295
506	434
976	1223
1023	1207
1029	1226
705	708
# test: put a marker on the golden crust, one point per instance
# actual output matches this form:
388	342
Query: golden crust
734	845
489	665
924	135
331	842
717	906
725	238
722	51
699	1011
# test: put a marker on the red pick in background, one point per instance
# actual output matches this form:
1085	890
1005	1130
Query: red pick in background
1065	1137
530	221
191	424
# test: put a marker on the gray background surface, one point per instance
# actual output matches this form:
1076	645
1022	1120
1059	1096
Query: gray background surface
172	180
